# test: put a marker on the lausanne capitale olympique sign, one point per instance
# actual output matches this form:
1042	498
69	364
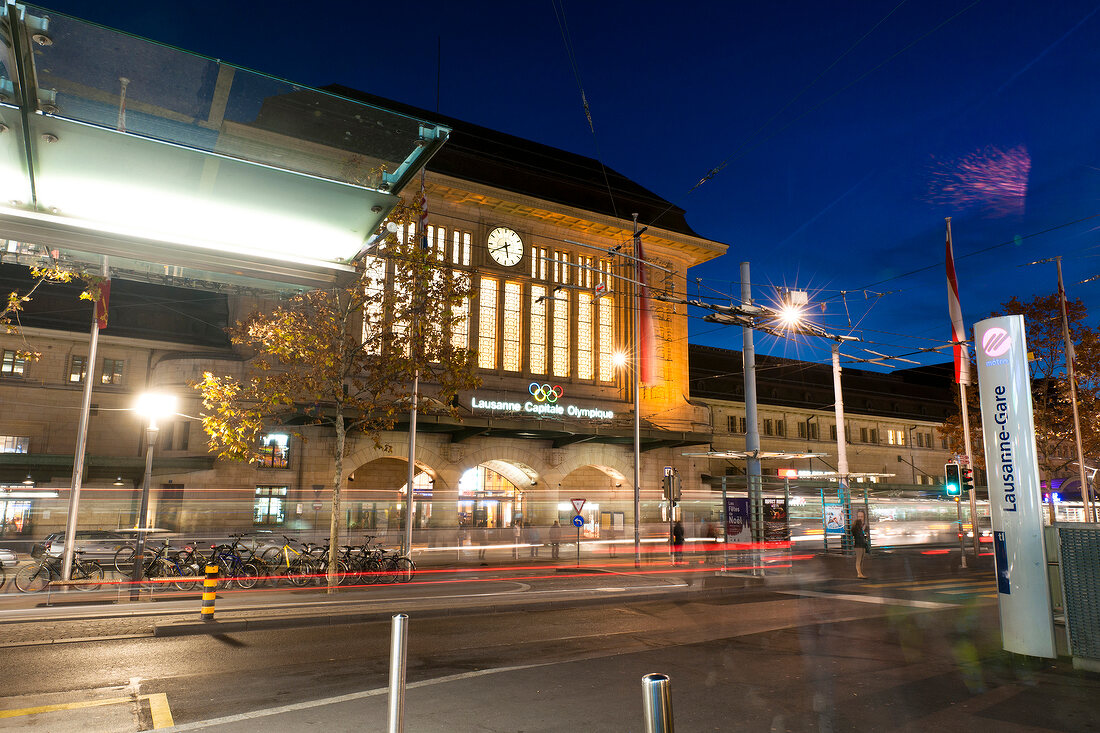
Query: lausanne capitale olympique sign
545	402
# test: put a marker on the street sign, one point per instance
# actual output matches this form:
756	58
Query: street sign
578	521
316	505
962	460
578	504
668	470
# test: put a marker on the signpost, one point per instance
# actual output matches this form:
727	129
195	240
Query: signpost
578	522
1015	494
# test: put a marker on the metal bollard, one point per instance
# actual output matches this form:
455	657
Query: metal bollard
657	703
209	588
398	637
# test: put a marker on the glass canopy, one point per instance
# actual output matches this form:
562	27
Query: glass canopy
177	166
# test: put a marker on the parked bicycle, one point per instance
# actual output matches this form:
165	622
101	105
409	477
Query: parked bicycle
36	577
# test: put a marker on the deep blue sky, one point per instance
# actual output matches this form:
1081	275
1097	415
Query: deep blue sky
840	186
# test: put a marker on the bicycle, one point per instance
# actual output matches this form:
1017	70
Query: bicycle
244	571
287	562
160	564
35	578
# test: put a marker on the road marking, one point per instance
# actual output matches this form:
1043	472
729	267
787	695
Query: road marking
203	724
880	600
158	707
921	584
970	589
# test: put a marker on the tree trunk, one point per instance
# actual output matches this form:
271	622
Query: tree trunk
337	481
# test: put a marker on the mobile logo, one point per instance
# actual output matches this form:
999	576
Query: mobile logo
996	342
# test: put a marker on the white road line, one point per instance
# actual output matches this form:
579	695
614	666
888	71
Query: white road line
203	724
880	600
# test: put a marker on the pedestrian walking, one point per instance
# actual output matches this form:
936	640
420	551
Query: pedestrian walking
712	541
860	541
482	541
678	543
533	539
517	532
555	539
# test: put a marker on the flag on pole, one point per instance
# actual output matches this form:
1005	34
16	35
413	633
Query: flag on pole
423	214
101	304
958	330
647	345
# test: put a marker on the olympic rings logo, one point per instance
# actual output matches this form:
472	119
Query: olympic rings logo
545	393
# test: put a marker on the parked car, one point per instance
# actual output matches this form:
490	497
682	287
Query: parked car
96	544
8	558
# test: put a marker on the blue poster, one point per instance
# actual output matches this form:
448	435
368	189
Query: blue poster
834	519
738	520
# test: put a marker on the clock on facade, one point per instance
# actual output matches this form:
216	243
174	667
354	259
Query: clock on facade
505	246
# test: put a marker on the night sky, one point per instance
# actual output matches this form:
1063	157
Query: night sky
840	134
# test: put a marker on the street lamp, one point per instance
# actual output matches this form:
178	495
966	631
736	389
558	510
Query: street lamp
152	406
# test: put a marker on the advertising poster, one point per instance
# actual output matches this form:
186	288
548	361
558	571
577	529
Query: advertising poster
776	526
834	519
738	520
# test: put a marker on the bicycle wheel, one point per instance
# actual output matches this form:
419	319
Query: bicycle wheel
124	560
188	578
33	578
299	571
389	571
273	559
248	575
406	568
88	571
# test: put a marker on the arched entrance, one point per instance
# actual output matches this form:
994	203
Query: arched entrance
375	496
495	494
609	502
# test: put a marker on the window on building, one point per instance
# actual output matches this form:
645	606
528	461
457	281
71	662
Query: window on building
487	324
513	319
460	314
809	429
538	330
769	426
12	364
865	435
561	334
112	371
78	369
275	450
735	424
175	435
780	428
14	444
606	312
270	506
943	443
586	367
895	437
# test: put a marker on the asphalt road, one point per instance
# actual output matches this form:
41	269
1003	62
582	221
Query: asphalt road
905	651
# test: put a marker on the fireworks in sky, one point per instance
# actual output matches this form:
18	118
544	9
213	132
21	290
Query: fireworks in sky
991	178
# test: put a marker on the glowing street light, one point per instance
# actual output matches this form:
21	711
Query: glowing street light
618	359
153	406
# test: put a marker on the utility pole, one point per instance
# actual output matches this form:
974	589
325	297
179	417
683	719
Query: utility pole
1073	394
841	440
637	389
752	431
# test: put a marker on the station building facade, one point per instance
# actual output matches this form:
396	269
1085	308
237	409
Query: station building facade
538	230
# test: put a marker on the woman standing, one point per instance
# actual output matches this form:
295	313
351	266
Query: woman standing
860	541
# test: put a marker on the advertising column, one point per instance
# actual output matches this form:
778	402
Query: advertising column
1015	496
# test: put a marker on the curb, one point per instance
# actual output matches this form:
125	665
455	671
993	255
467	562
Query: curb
214	627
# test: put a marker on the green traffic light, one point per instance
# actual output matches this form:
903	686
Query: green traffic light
953	490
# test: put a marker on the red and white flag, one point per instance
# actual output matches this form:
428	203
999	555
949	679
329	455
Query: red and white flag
101	304
958	330
647	344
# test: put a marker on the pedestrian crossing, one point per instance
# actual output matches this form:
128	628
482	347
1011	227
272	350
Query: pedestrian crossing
968	587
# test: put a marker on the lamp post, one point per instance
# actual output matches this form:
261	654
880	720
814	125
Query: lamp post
153	406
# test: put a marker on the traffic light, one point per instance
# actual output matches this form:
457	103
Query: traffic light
967	480
953	473
671	487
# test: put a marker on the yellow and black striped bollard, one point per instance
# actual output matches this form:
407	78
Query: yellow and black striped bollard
209	588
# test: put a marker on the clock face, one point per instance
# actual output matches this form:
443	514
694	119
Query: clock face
505	246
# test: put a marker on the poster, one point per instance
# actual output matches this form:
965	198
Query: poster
738	520
834	519
776	526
